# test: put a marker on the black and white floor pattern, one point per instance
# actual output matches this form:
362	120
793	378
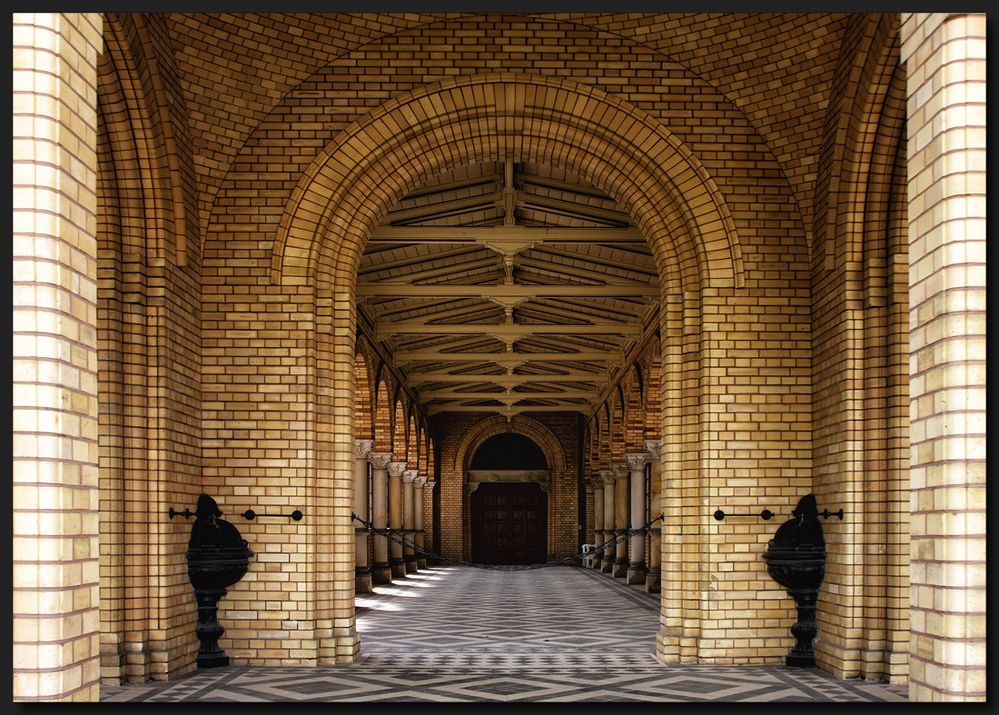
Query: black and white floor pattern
553	635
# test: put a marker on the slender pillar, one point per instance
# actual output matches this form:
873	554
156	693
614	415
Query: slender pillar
420	533
598	519
621	504
362	569
654	447
607	562
396	561
380	572
636	564
408	519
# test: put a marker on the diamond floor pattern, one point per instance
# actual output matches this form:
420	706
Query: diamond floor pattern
552	635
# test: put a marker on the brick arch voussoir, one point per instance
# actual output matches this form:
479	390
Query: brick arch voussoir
418	122
498	424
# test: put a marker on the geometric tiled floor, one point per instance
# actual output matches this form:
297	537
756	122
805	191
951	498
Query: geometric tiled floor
553	635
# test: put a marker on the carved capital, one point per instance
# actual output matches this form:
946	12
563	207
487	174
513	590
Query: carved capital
363	447
655	448
620	471
606	475
409	476
637	460
379	460
420	482
395	469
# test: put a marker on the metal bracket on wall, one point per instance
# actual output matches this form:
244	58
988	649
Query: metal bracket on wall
825	513
766	514
251	515
187	513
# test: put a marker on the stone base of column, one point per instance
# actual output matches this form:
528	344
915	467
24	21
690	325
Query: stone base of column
398	568
381	574
411	565
362	580
421	564
607	565
636	574
652	582
620	569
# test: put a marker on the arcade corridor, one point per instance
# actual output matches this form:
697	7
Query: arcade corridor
482	635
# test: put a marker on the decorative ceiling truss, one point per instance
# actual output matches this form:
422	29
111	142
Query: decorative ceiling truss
508	288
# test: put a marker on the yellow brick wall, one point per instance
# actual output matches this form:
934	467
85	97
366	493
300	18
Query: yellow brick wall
55	456
195	304
945	57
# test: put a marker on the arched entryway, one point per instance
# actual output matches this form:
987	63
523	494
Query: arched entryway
508	484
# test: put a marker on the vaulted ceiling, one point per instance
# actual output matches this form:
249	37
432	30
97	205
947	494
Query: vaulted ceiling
507	288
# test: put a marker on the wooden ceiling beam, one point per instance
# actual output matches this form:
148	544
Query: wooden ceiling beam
383	289
505	358
504	331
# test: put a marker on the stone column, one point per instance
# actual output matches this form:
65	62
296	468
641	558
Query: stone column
598	519
362	569
607	562
396	561
654	447
636	566
408	519
380	571
621	503
420	533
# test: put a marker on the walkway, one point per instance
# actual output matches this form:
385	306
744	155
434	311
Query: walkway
463	634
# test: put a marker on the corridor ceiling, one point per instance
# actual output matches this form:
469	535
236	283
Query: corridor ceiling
507	288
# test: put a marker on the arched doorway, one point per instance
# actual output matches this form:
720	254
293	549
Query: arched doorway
508	483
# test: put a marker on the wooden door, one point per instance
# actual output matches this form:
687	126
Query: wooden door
509	523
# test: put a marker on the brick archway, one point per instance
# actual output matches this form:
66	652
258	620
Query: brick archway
454	473
350	185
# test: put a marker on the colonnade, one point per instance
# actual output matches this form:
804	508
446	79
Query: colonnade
390	496
620	503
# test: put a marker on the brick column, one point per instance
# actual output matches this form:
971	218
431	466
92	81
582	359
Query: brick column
420	535
621	509
654	447
607	563
380	571
945	63
636	564
598	519
54	420
408	519
362	569
397	562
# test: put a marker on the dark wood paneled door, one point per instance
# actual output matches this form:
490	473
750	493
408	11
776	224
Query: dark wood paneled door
509	523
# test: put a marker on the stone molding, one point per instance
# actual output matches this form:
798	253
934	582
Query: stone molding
637	460
363	447
655	448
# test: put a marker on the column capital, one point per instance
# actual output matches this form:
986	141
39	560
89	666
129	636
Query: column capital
654	447
621	471
379	460
606	476
409	476
420	481
395	469
637	460
363	447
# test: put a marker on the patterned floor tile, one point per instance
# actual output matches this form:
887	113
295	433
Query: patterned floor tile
470	635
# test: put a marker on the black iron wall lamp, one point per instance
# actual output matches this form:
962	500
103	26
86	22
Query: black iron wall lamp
294	516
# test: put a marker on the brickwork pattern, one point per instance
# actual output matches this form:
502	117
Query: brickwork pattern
230	173
945	57
55	365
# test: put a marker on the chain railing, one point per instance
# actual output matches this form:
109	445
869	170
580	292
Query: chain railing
400	539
